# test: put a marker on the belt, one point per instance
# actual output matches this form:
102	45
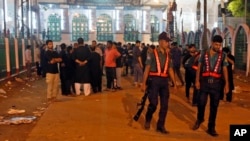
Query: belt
211	80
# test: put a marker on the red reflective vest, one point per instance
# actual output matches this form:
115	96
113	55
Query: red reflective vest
158	65
215	72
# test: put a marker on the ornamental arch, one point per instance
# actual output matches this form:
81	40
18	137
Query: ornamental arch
228	33
190	37
240	48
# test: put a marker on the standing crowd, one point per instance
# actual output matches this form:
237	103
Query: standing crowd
79	69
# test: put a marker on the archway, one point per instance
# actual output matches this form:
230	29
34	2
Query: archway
228	33
54	27
241	47
80	27
104	28
130	31
155	28
190	38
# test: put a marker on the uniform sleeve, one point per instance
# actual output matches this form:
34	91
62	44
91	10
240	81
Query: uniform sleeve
149	58
225	62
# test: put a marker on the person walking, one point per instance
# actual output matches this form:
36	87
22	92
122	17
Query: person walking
190	72
158	68
176	55
231	61
212	65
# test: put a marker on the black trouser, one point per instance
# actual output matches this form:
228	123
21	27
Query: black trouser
38	69
229	94
190	79
110	75
213	90
158	87
96	80
129	66
65	84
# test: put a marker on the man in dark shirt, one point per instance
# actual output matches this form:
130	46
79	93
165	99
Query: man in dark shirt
176	55
81	55
137	64
95	69
144	55
119	65
231	60
52	73
63	70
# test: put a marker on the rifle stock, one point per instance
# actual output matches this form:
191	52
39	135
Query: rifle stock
141	104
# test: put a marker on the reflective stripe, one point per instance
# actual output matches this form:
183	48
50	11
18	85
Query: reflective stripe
158	65
195	67
215	72
216	75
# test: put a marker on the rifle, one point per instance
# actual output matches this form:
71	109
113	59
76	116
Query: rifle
141	104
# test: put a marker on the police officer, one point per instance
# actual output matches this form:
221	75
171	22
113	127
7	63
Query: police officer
190	72
158	68
212	65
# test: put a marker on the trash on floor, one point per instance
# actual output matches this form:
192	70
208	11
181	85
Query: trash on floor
15	111
19	80
2	91
18	120
9	82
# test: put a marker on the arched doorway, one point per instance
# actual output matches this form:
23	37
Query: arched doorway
240	49
190	39
104	28
197	37
54	27
80	27
228	35
131	34
155	25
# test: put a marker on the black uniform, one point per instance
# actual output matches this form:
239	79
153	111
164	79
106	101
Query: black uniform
82	73
190	72
230	76
158	86
210	84
96	72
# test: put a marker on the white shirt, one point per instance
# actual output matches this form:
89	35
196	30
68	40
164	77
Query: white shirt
28	57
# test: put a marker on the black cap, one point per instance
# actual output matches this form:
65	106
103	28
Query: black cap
164	36
137	41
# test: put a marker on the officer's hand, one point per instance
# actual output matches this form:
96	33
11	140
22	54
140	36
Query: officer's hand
143	86
226	89
197	85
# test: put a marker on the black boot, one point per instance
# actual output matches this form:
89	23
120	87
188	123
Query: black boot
147	125
197	124
212	132
162	130
149	116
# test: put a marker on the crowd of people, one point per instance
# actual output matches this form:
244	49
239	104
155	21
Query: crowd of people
79	69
